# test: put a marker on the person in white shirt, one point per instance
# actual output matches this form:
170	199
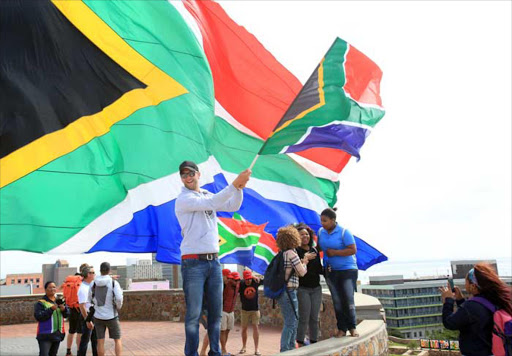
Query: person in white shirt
88	332
107	296
196	211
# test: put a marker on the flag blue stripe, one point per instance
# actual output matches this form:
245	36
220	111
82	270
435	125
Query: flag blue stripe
344	137
156	229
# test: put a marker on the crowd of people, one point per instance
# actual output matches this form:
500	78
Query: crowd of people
91	303
211	293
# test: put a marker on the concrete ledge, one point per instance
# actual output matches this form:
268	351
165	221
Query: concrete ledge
371	342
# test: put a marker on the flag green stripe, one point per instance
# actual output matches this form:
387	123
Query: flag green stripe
155	29
233	241
76	193
338	106
263	252
87	182
235	151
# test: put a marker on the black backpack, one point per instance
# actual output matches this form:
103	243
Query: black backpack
274	281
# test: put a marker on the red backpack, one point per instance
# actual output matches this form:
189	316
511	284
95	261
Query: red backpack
70	290
502	331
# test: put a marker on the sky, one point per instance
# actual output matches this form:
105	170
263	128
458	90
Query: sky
434	180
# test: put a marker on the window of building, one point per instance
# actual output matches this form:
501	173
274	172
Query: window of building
12	281
415	335
26	280
37	286
37	280
19	281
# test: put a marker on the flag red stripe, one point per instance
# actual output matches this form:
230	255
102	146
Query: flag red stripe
363	78
249	82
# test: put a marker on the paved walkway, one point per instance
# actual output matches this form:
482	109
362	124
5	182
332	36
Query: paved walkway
139	338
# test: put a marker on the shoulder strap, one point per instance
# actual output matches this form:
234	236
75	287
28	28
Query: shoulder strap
485	303
292	271
93	289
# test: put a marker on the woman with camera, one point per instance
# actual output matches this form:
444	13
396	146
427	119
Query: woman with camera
472	318
50	313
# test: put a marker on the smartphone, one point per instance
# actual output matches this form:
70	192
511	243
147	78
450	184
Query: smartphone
452	286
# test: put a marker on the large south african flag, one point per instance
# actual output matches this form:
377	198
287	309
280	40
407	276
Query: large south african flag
101	101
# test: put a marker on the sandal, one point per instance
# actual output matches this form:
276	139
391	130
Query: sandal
242	351
257	353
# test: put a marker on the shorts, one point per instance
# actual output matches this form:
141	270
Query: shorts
75	324
228	321
250	317
113	325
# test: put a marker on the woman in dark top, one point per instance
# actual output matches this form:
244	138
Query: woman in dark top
473	319
50	313
310	291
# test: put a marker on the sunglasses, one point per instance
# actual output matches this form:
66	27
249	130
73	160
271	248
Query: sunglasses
92	272
189	174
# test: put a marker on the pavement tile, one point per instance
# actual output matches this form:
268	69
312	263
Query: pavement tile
158	338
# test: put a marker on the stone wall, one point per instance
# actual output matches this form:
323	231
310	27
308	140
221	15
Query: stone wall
170	305
373	341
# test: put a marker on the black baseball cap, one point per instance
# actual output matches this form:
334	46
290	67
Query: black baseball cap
188	165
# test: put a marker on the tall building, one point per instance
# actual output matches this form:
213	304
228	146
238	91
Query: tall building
461	268
413	308
122	272
26	279
170	272
144	269
57	272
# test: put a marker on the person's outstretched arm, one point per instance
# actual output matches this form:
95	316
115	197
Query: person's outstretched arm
228	199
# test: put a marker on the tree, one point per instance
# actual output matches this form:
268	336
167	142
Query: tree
412	345
443	334
395	333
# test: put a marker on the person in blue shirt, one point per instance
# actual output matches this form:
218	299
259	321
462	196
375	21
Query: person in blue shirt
340	265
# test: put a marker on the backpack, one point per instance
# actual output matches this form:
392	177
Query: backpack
502	332
70	290
104	291
274	282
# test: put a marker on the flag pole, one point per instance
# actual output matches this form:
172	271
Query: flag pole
254	161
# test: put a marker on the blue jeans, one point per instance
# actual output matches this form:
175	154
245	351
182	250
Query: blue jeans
200	278
48	348
289	309
87	334
310	300
342	285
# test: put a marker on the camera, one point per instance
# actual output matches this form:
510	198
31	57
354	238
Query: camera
59	300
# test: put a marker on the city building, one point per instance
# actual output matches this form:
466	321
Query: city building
57	272
461	268
122	273
144	269
140	270
412	308
170	272
35	280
